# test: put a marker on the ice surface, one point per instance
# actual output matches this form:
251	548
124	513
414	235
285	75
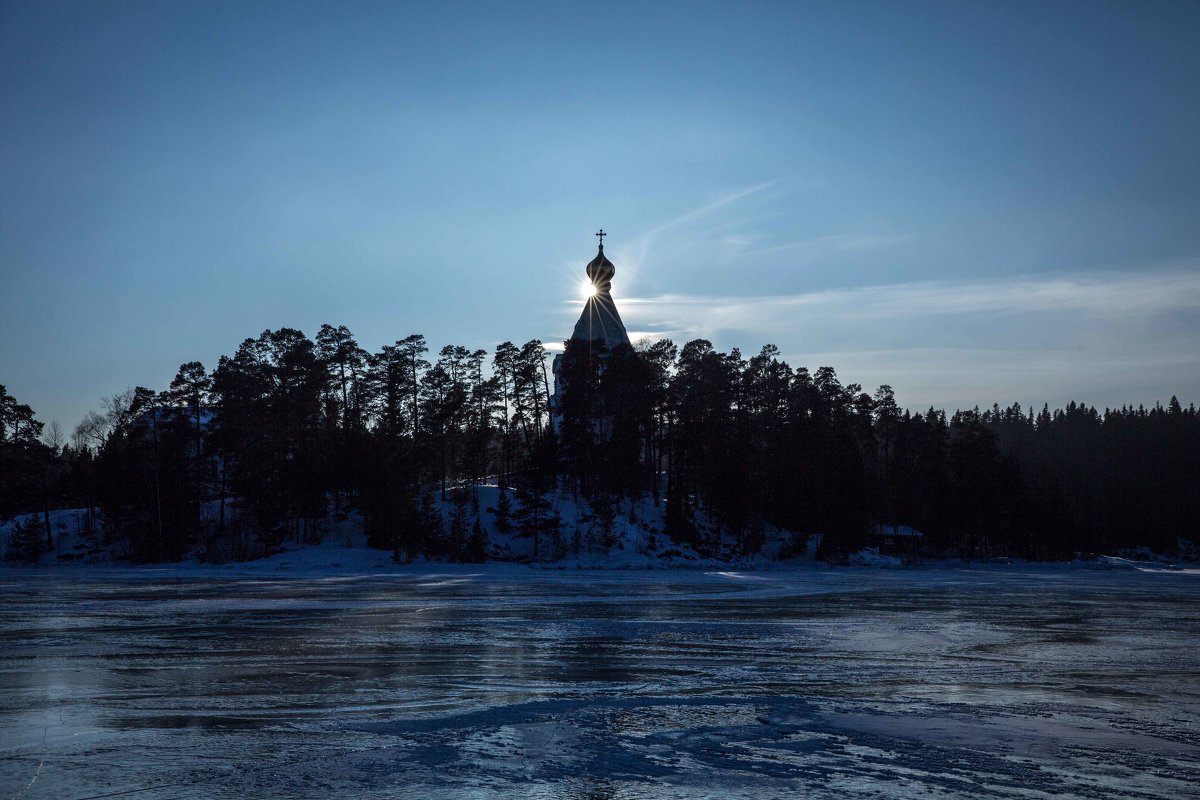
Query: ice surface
511	681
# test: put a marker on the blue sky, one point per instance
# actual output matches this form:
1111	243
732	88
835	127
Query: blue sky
973	202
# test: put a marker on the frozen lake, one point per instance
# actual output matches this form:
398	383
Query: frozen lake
507	681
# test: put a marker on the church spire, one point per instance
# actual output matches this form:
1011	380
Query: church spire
598	322
600	319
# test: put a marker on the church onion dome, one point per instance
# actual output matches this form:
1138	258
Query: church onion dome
600	271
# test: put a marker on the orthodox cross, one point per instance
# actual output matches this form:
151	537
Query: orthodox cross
601	234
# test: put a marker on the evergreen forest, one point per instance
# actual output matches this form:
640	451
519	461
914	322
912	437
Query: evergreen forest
261	449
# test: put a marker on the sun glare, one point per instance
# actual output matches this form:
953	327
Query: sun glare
588	289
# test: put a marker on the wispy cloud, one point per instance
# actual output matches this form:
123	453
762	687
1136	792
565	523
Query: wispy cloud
634	252
824	245
706	209
961	377
1106	338
1103	294
747	222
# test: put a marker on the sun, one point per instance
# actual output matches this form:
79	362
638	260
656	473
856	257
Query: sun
588	290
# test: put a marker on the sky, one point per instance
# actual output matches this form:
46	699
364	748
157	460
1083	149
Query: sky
975	203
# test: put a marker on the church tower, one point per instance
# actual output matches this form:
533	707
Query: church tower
599	320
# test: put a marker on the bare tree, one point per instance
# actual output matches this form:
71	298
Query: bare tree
118	411
54	436
91	432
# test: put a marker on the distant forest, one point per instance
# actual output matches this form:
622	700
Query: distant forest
288	430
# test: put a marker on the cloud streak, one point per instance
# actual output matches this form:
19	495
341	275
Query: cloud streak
1107	338
634	252
962	377
824	245
706	209
1107	294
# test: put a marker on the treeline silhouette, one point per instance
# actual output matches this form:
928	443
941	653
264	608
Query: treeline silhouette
288	430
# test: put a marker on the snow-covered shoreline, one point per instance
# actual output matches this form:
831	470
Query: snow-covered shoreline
334	559
638	543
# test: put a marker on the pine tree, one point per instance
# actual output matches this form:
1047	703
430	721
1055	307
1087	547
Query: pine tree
503	511
478	543
459	524
25	541
432	525
603	528
534	518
